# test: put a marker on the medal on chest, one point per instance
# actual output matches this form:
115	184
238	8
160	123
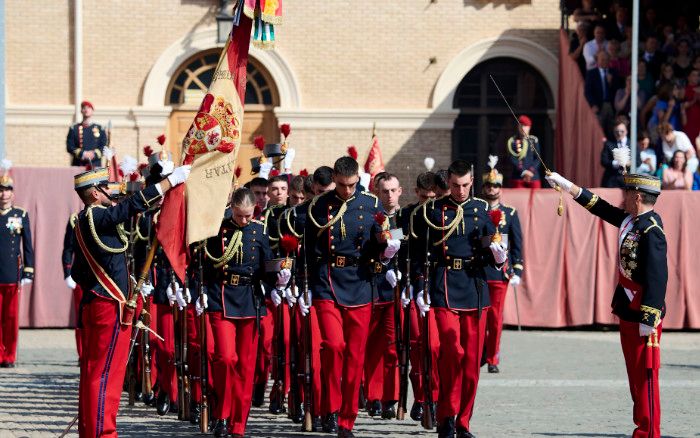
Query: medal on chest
14	224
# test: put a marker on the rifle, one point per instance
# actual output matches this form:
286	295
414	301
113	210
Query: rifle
294	396
146	383
398	339
308	364
279	361
180	332
128	316
428	414
204	363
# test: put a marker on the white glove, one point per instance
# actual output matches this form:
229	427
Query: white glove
291	297
202	304
554	179
645	330
25	281
289	159
499	253
183	297
265	169
615	164
304	306
406	297
167	167
179	175
146	289
170	294
392	247
423	305
276	296
108	153
392	278
70	282
283	277
515	280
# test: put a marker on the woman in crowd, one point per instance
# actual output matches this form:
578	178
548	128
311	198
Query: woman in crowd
691	107
647	156
682	64
618	63
677	176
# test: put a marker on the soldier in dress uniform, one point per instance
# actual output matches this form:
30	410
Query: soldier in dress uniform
526	166
234	267
498	279
86	140
296	191
381	384
343	240
425	191
69	247
101	270
458	224
639	299
16	266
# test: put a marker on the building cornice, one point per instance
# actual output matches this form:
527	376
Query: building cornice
63	115
409	119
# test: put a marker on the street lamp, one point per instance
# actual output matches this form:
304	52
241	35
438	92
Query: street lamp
224	21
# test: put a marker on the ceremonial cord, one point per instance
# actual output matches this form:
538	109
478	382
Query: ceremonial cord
454	225
233	249
120	231
338	217
289	225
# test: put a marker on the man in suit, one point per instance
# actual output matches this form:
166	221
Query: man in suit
612	176
653	56
600	87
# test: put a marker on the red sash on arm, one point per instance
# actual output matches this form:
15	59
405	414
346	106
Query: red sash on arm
102	277
635	288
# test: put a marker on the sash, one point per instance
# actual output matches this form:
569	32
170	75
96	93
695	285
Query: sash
625	227
102	277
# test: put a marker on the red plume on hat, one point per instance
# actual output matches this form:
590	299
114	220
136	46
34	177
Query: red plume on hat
134	177
289	244
147	150
352	151
304	173
161	139
259	142
142	166
495	216
274	172
379	218
285	129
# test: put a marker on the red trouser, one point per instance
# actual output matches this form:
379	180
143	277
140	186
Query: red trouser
164	359
381	359
284	308
77	297
267	330
236	342
194	354
494	320
461	344
344	333
522	184
416	373
9	322
102	368
315	358
644	383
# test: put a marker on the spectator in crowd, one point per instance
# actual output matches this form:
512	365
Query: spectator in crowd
617	28
665	109
682	62
596	45
587	13
612	177
673	141
690	110
696	180
677	176
578	40
600	90
617	63
626	44
622	98
649	26
653	56
666	75
669	46
644	79
646	156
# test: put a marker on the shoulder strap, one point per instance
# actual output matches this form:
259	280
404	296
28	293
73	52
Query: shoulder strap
102	277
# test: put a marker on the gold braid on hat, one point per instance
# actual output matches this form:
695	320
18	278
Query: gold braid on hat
233	249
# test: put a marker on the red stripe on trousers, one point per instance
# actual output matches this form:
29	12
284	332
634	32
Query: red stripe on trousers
381	360
494	320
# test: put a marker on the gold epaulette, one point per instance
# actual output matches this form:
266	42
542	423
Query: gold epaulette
24	212
372	195
257	221
486	204
654	225
512	209
73	220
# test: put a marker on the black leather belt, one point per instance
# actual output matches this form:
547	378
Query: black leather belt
236	279
340	261
456	263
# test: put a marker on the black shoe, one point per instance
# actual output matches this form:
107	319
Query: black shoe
163	403
149	399
345	433
417	411
276	407
299	417
195	412
174	408
446	429
464	433
374	408
138	396
4	365
362	400
258	395
493	369
221	428
330	424
316	424
388	411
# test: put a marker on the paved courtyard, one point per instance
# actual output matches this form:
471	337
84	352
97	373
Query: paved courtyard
552	384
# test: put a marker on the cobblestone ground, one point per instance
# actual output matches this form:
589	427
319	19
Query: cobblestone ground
552	384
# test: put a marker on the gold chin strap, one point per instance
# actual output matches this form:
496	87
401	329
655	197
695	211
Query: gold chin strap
450	228
338	217
233	249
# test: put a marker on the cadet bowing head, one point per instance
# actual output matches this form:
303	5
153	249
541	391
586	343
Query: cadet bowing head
425	186
243	206
345	176
323	180
459	179
296	191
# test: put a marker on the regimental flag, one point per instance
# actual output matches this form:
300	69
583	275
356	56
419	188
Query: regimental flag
193	211
374	163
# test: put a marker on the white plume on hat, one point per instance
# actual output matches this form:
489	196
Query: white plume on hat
5	164
128	165
493	160
429	163
623	156
289	159
265	169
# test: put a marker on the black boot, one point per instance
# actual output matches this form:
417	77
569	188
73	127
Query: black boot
464	433
345	433
330	424
388	411
163	403
221	428
417	411
300	414
374	408
316	424
258	395
276	406
362	400
493	369
195	412
149	399
446	429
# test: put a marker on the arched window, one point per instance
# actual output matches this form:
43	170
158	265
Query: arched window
485	123
194	77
